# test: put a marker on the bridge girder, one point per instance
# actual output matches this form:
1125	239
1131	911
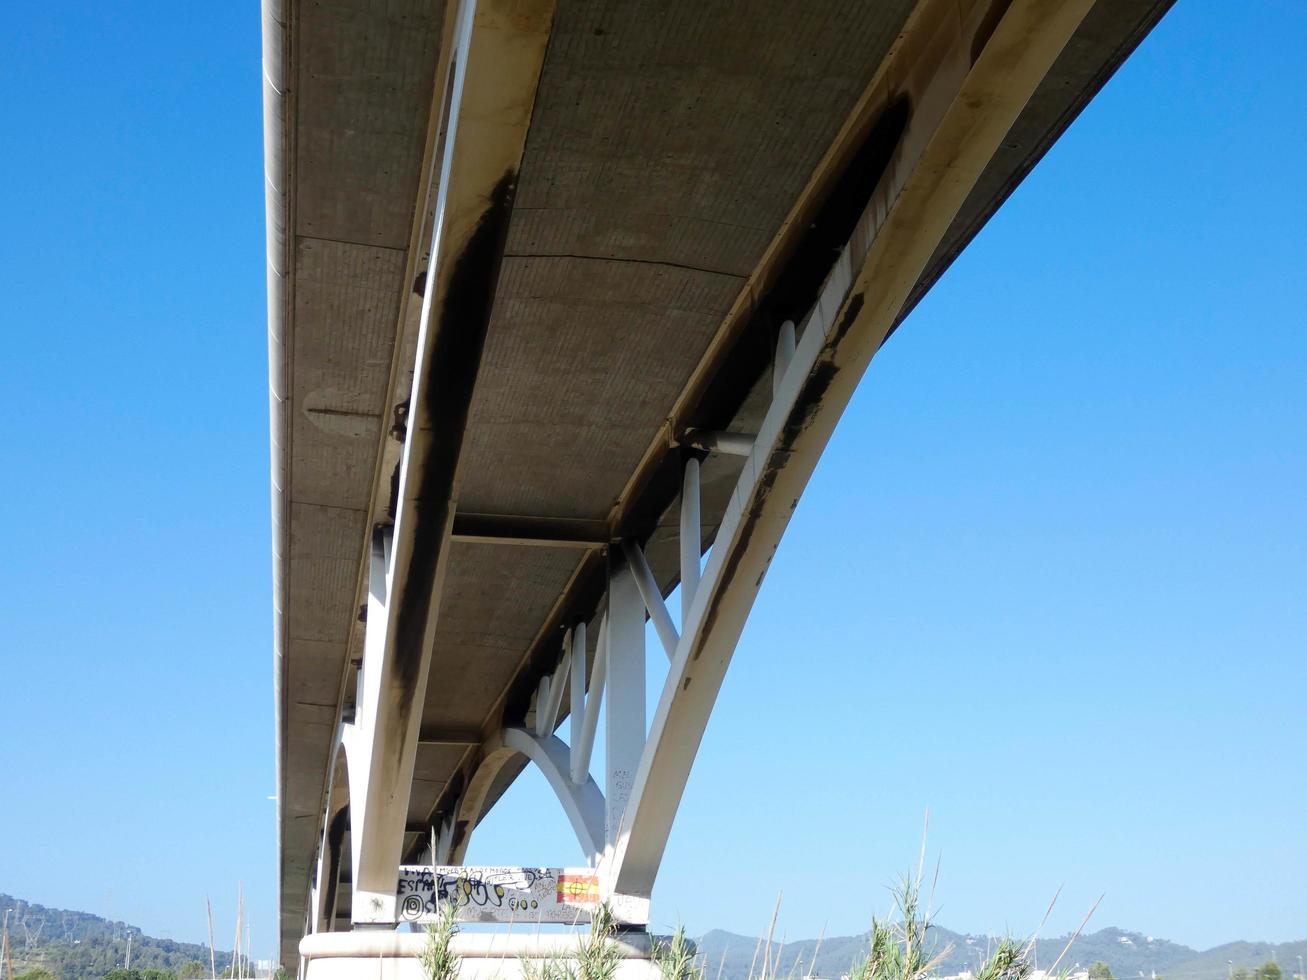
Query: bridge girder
495	52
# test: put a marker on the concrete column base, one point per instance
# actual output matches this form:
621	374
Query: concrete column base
384	955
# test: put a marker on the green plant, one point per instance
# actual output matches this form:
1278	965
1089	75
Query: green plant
901	949
675	957
597	955
439	961
547	969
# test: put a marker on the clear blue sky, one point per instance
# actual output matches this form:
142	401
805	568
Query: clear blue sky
1050	580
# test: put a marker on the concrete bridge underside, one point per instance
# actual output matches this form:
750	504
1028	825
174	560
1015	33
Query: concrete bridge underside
638	214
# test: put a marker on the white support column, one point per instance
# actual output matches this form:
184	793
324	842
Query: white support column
444	842
625	717
576	677
557	685
652	597
691	543
583	743
542	700
358	738
315	899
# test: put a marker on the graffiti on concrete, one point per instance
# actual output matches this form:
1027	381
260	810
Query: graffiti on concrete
482	894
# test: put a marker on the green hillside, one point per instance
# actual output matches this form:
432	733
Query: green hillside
1220	961
81	946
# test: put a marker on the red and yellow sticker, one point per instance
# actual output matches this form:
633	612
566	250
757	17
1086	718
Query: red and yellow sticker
578	889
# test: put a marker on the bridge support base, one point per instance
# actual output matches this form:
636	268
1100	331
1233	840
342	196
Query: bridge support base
386	955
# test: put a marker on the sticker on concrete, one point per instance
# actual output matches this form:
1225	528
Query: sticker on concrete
578	889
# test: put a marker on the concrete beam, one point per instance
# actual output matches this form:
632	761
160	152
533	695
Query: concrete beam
494	69
445	735
543	532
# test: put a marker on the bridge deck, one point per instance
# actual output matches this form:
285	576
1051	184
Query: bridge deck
666	150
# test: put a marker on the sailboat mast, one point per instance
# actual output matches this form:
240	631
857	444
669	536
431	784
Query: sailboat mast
213	967
240	929
236	945
9	960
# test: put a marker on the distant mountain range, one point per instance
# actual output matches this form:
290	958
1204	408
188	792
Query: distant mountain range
81	946
1129	954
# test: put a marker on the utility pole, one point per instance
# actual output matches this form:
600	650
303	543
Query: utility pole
127	963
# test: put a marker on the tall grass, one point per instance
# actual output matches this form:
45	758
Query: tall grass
675	957
900	947
439	961
597	954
